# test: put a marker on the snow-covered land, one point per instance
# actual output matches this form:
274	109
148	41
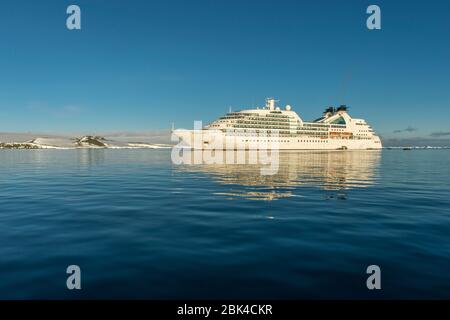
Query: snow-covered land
35	141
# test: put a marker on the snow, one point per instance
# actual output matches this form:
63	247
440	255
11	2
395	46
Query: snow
33	141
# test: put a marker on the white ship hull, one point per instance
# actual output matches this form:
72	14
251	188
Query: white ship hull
212	139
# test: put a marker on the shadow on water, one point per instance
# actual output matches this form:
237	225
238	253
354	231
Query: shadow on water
334	171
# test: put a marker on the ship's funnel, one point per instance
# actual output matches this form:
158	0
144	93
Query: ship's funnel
342	108
329	111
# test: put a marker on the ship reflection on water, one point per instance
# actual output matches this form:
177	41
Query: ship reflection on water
333	171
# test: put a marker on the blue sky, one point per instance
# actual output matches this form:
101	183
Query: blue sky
140	65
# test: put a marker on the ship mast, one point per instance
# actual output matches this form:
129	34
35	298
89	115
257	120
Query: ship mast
270	103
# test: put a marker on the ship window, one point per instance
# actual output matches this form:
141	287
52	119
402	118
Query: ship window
339	120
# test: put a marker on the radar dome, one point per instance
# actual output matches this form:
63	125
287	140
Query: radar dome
288	108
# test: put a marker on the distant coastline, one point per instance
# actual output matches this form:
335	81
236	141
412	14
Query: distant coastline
30	141
417	147
153	140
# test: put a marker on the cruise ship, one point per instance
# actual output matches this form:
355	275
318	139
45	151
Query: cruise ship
271	127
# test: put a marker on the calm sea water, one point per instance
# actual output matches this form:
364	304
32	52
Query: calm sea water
141	227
